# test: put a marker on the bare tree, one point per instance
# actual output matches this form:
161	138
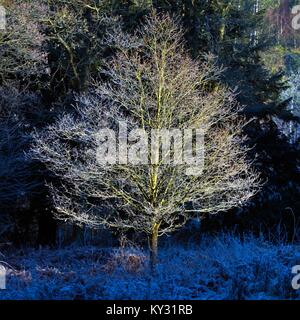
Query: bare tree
22	57
154	85
74	36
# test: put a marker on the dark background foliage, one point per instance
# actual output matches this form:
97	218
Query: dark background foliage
54	49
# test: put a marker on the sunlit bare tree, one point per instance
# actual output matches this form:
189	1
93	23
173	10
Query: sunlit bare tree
152	83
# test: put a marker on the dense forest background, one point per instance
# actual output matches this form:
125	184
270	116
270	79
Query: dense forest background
52	51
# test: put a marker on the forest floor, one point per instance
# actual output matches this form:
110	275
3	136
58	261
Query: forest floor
223	267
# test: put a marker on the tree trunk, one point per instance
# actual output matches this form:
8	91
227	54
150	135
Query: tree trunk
153	248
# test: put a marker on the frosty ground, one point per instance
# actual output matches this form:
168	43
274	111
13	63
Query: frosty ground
216	267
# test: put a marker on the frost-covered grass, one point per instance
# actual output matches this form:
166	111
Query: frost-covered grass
223	267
